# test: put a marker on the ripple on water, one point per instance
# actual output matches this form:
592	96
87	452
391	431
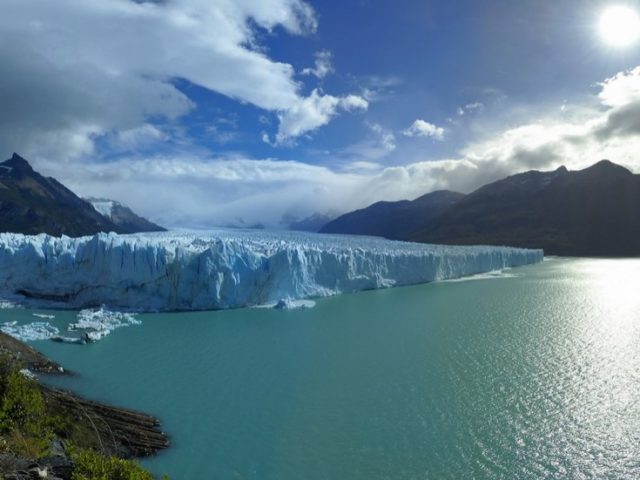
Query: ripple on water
530	377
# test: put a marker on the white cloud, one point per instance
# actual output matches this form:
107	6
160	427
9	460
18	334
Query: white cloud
387	140
470	108
323	66
376	146
421	128
314	111
621	89
83	69
362	166
133	138
191	191
352	103
376	88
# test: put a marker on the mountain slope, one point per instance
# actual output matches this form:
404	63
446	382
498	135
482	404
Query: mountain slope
123	216
313	223
595	211
31	203
395	220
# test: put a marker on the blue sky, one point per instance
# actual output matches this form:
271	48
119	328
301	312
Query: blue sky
220	112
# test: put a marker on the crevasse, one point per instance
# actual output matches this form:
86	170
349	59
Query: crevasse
228	268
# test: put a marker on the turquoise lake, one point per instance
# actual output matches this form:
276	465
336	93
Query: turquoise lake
530	375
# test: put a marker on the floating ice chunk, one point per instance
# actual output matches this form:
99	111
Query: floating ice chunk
97	335
228	268
91	325
30	331
8	305
95	324
288	304
44	315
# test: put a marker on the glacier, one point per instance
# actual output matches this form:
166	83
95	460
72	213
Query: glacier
220	269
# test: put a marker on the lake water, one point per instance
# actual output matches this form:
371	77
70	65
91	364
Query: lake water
532	375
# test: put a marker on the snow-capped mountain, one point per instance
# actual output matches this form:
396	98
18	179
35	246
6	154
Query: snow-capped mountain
31	203
123	216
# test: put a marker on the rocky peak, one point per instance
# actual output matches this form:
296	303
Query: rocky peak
17	162
607	167
15	168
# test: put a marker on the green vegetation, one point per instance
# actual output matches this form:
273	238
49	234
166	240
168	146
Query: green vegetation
28	427
90	465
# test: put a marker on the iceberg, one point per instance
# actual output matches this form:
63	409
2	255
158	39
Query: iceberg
98	323
227	268
92	325
30	332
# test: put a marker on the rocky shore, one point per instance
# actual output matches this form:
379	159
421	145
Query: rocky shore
86	424
118	431
27	356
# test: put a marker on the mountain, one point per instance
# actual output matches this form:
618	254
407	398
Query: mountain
32	204
313	223
395	220
123	216
590	212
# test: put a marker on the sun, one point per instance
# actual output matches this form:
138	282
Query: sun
620	26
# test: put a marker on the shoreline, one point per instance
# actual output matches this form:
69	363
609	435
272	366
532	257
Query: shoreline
109	430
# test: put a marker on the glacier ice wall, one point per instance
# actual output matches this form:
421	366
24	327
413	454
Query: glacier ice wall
227	268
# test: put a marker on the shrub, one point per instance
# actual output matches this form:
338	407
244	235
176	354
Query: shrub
22	406
23	416
91	465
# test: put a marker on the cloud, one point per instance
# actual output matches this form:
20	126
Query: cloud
377	88
314	111
82	69
377	145
362	166
609	130
421	128
470	108
352	103
192	191
386	139
621	89
138	137
323	66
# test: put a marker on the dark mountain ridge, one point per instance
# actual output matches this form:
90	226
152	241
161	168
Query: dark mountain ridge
590	212
31	204
396	220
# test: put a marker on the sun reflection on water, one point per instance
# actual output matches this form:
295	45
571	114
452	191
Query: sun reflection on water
602	388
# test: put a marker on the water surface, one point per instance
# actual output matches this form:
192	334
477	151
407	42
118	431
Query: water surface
532	375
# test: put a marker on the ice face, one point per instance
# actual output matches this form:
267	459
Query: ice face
227	268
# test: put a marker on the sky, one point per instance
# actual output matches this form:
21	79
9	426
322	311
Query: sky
201	113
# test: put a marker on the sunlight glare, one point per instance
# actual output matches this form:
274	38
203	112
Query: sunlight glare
620	26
